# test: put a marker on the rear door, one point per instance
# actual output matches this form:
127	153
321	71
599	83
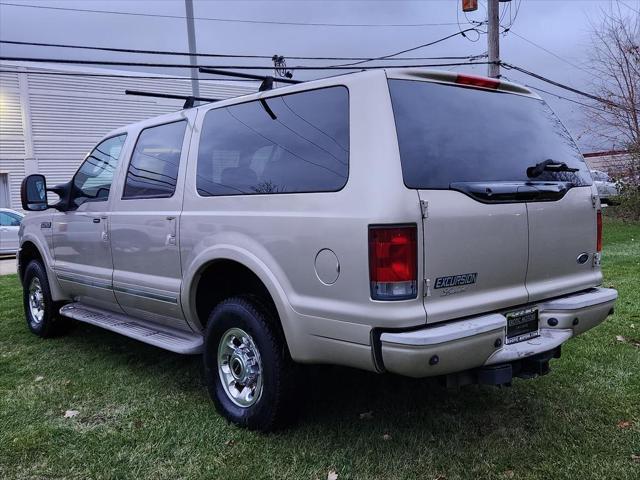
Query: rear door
466	150
147	275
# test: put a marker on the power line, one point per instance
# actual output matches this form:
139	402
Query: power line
231	20
550	52
563	86
229	67
115	75
395	54
566	98
214	55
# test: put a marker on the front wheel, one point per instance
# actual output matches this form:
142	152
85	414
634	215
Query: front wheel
247	366
40	309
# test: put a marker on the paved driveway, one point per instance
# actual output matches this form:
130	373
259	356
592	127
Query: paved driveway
8	265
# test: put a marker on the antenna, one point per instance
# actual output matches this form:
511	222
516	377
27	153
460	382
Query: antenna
189	100
267	80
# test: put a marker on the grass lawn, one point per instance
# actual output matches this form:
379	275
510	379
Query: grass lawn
144	413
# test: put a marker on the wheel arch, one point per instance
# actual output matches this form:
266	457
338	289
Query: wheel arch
228	271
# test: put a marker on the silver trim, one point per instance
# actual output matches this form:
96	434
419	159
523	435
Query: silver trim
145	294
90	283
128	290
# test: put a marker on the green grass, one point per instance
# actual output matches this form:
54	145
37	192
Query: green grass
144	413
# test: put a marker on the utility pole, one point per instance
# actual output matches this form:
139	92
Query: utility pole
191	36
493	38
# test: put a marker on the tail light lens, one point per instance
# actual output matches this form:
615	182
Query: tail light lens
474	81
599	234
393	262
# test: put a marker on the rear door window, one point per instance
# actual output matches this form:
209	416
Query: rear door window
449	134
286	144
153	170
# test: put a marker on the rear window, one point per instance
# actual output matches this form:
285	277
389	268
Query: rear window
287	144
449	134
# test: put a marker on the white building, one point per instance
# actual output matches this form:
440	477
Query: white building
51	116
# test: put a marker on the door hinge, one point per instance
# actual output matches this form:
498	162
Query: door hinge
426	291
424	208
594	200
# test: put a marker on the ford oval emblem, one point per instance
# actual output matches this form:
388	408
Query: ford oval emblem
582	258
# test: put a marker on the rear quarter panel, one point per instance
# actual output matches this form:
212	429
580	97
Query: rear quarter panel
278	236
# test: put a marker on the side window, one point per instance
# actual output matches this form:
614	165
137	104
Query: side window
287	144
153	170
9	219
92	181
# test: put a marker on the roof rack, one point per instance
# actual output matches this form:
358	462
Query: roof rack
267	80
189	100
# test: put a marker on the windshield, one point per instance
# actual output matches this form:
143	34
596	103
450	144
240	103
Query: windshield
450	134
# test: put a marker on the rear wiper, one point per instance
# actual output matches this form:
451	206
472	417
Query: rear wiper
548	166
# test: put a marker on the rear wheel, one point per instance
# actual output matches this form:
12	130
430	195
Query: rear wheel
247	366
41	311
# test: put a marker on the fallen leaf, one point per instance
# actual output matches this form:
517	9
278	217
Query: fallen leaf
366	415
509	473
66	382
332	475
440	477
137	423
230	442
386	436
635	458
620	338
71	413
39	378
624	424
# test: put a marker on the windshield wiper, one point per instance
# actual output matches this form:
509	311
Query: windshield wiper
548	166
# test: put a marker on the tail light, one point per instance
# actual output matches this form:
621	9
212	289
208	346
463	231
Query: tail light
475	81
393	262
599	234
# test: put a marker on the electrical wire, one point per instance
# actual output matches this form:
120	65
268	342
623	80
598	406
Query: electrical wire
566	98
565	87
225	67
551	53
395	54
214	55
115	75
231	20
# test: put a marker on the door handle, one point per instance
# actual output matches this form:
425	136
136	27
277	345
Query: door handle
171	236
105	227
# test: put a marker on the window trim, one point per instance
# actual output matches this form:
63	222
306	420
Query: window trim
126	173
257	100
73	179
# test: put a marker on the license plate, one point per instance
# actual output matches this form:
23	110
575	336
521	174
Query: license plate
522	325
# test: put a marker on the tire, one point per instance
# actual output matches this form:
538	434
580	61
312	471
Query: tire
244	345
40	310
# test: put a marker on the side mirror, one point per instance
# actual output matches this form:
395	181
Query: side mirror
33	193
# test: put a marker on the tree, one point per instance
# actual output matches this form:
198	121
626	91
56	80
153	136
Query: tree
615	61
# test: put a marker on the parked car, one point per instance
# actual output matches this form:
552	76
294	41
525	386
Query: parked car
9	225
607	188
421	223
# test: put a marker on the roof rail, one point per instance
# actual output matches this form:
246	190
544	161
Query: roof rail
267	80
189	100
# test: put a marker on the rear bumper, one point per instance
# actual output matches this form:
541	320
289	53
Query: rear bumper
480	341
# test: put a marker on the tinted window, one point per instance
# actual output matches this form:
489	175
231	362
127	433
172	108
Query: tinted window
293	143
8	219
450	134
153	170
93	179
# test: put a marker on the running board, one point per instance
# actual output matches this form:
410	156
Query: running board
158	335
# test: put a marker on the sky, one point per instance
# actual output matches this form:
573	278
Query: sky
550	38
